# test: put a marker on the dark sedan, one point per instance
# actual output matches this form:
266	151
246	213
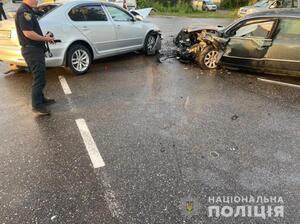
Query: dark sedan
265	42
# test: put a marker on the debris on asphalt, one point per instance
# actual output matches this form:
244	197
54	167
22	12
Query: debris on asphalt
232	147
167	53
214	154
234	117
53	218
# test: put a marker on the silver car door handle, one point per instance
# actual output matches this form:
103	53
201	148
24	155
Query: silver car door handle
118	26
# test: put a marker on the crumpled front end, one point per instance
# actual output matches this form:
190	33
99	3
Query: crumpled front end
191	48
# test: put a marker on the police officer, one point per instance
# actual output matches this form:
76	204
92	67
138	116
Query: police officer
33	50
2	13
125	6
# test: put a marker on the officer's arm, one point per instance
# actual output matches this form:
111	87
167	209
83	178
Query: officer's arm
34	36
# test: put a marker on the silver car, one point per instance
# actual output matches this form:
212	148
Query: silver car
86	30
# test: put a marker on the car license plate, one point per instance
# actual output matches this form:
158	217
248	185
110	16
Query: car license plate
5	34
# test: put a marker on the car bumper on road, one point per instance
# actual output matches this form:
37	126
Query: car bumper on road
12	55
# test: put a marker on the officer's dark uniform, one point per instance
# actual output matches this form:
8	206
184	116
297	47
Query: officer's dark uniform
32	51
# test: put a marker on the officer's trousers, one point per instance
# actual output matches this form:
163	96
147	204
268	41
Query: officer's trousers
2	13
35	59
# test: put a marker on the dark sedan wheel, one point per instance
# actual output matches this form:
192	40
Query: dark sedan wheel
79	59
208	58
150	43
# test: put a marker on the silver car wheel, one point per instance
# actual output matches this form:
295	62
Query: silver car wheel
210	59
151	42
80	60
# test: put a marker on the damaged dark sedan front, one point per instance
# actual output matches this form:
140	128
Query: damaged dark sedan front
265	42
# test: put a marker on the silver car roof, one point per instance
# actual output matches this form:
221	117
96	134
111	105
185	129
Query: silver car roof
76	2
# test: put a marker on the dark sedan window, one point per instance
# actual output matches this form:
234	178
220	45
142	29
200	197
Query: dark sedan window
88	13
289	28
257	29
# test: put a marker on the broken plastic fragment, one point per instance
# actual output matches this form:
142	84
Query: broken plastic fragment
234	117
53	217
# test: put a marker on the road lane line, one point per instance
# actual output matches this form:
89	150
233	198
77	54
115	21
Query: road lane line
90	144
64	85
279	83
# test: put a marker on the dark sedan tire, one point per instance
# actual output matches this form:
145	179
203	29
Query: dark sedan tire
150	42
79	59
207	58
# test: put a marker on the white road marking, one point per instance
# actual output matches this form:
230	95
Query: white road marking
64	85
90	144
279	83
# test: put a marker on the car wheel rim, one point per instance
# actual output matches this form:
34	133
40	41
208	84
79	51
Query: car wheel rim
210	59
151	43
80	60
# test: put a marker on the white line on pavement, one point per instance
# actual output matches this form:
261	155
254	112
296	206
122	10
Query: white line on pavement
64	85
279	83
90	144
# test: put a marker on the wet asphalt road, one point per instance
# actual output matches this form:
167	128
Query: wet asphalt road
168	133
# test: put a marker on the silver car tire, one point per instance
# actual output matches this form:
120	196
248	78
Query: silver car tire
79	59
150	43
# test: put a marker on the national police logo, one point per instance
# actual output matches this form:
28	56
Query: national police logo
27	16
189	207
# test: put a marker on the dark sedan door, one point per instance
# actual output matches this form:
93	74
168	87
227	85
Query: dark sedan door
249	44
284	54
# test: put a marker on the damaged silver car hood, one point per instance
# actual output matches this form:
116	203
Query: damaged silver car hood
142	12
198	28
